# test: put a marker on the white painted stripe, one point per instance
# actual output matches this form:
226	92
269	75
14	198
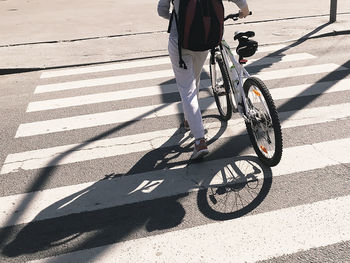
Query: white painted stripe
299	71
148	141
135	64
140	92
246	239
277	93
106	97
132	188
275	74
101	97
92	120
103	148
310	89
279	59
105	118
109	67
104	81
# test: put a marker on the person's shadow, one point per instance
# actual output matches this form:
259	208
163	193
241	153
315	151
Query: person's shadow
122	204
141	212
132	205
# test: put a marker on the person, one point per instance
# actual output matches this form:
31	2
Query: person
188	79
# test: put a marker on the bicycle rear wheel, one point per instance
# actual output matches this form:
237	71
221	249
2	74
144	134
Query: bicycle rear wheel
264	127
221	89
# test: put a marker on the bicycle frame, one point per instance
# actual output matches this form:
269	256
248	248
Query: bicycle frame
251	97
237	73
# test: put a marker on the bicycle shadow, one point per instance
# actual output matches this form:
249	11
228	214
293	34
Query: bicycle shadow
98	228
132	205
92	229
236	189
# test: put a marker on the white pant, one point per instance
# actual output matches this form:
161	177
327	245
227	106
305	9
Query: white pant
187	81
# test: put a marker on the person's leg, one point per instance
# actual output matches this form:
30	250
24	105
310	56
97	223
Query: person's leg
199	59
198	62
186	82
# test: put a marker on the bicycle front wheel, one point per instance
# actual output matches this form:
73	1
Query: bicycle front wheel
221	88
263	127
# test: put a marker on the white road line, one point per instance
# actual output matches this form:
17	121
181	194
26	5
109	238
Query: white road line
277	93
133	64
105	118
147	141
310	89
300	71
57	202
104	148
109	67
101	97
106	97
103	81
246	239
281	58
275	74
92	120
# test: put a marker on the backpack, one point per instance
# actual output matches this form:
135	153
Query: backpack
200	25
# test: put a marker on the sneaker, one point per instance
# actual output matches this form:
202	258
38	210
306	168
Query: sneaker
200	149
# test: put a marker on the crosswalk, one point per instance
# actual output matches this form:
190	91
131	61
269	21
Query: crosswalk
109	178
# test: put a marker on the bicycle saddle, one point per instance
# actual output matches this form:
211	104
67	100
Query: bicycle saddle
247	34
246	46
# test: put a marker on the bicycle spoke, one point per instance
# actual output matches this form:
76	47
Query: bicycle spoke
263	123
221	87
262	130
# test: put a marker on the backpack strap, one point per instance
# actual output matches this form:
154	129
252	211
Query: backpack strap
171	20
173	15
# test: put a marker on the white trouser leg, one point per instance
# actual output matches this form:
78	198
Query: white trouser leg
188	83
198	62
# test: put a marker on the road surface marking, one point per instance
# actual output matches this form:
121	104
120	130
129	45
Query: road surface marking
104	81
107	67
161	138
246	239
126	189
147	63
277	93
102	97
105	118
269	75
278	59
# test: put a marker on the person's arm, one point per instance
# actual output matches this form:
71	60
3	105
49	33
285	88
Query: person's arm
163	8
242	4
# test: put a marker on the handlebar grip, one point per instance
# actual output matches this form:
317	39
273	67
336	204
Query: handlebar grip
234	16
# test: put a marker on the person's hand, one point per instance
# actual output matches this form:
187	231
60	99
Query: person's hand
244	12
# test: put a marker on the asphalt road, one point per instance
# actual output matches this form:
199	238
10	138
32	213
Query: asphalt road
95	165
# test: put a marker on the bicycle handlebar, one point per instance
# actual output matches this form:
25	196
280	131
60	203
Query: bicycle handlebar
234	17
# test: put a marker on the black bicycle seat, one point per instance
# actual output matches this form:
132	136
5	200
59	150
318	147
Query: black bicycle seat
247	34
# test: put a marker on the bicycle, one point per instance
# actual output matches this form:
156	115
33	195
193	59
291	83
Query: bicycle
236	91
